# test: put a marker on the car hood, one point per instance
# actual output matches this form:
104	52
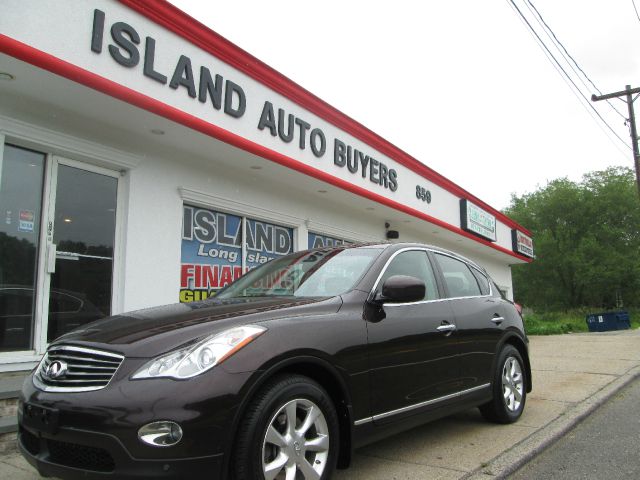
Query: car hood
153	331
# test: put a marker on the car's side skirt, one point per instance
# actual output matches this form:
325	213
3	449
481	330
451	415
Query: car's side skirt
408	408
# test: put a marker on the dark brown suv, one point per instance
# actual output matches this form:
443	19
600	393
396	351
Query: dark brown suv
282	374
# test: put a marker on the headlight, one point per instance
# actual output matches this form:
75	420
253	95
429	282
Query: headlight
196	359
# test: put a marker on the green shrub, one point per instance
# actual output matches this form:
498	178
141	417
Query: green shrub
572	321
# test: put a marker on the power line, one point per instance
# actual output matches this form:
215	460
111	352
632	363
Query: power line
628	92
580	98
570	57
540	21
634	7
565	74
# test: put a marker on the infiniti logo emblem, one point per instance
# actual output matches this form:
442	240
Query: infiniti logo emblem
56	370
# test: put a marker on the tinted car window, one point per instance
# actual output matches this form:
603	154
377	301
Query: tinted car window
458	278
314	273
497	292
413	263
482	281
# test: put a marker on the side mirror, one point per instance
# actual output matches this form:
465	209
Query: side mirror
402	289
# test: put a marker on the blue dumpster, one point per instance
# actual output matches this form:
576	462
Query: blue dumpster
606	321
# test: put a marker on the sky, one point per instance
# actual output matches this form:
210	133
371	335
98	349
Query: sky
462	86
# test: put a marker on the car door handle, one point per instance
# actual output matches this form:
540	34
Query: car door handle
497	320
446	328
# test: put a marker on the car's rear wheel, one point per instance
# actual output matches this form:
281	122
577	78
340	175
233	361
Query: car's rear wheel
509	388
290	432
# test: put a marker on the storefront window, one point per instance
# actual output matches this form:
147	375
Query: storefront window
317	240
21	177
212	249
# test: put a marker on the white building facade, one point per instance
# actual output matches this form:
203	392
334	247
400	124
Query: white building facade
146	160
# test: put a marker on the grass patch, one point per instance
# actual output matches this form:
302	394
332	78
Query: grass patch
573	321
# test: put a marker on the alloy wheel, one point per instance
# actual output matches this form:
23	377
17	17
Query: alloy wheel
296	444
512	384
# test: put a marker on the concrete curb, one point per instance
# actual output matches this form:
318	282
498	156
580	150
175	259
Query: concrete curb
508	462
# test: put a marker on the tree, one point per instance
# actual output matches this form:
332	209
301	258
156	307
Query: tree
587	242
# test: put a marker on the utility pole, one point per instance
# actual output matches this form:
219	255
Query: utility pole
628	92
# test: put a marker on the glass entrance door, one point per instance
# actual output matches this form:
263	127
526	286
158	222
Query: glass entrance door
21	181
57	235
80	245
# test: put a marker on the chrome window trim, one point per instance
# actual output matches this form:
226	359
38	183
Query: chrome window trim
408	408
422	302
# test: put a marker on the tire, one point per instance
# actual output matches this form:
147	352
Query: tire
509	388
271	446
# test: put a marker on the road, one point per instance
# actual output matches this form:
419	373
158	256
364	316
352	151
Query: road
605	446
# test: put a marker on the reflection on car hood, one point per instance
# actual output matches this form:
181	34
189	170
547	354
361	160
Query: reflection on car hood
150	332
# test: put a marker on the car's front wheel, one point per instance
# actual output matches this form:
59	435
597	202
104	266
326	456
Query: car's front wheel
509	388
290	431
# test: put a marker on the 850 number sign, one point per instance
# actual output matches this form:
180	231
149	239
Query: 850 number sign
423	194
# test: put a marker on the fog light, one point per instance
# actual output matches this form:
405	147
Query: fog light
160	434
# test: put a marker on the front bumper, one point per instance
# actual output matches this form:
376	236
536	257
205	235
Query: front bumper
94	434
76	454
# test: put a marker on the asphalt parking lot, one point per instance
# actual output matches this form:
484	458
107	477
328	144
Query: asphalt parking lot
572	374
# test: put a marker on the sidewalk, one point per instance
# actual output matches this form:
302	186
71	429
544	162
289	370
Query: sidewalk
572	375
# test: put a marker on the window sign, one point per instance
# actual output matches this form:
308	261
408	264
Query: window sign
266	241
522	244
211	252
319	241
475	220
212	255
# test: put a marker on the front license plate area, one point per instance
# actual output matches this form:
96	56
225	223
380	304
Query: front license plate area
40	418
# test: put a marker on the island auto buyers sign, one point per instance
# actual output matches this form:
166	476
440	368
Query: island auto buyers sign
152	67
141	59
131	49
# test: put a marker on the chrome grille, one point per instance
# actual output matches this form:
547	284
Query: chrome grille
76	369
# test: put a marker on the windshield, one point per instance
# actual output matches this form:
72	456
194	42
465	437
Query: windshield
318	273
